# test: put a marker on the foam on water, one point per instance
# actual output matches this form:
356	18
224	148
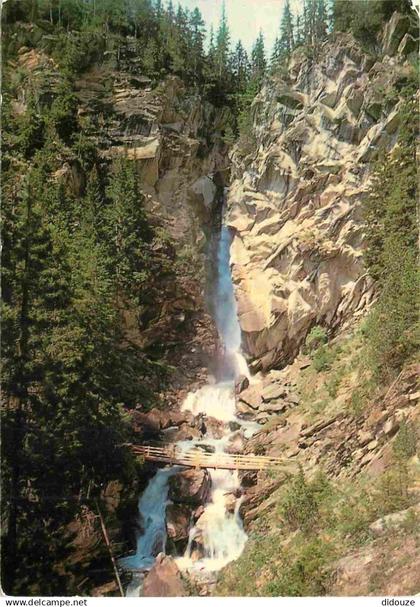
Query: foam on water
220	531
152	520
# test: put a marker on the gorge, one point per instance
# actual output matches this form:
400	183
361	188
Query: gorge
207	251
220	529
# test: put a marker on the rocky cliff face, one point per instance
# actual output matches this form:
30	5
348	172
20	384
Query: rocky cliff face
175	138
172	134
295	200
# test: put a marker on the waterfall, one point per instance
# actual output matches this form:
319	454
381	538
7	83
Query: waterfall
152	519
222	535
219	528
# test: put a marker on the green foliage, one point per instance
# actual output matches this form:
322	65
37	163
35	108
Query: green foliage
327	521
391	490
360	397
258	61
62	115
322	359
300	502
365	18
304	574
405	443
71	265
333	383
390	210
315	338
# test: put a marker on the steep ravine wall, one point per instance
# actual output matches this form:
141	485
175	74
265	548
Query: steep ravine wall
295	199
174	137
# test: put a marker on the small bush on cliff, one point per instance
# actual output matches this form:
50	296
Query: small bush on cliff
322	358
305	573
301	501
405	443
316	337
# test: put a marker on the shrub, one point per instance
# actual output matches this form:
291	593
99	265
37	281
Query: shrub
299	507
304	574
391	490
405	444
322	359
316	337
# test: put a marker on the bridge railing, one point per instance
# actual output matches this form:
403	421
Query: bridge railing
198	458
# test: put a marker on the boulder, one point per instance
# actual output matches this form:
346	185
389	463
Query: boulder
391	426
393	521
178	519
241	384
214	428
251	397
164	579
190	487
145	425
236	444
182	433
273	407
394	32
273	392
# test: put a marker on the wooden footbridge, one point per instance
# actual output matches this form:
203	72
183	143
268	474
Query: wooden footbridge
199	458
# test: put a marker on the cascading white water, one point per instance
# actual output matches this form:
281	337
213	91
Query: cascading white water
221	532
152	519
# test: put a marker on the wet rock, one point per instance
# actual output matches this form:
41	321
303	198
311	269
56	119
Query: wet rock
236	444
175	418
233	426
182	433
144	425
241	384
164	579
231	500
249	479
214	428
178	519
190	487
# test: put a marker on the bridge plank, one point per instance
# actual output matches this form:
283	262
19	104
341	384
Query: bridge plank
198	458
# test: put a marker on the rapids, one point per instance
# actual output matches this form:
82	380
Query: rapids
219	529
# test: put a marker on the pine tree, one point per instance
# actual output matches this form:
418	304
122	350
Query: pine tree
241	67
391	257
258	60
287	31
299	39
222	45
321	26
277	54
197	28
